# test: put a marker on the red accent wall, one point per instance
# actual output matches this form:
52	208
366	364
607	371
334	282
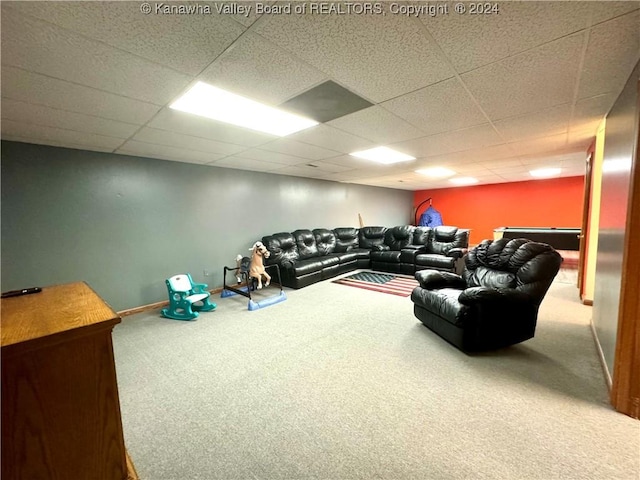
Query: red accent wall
536	203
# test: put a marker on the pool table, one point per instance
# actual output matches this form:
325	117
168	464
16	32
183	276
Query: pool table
558	238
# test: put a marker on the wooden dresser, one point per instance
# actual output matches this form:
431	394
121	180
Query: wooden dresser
60	406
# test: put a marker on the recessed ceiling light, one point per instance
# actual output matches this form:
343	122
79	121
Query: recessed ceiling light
212	102
437	172
545	172
464	180
383	155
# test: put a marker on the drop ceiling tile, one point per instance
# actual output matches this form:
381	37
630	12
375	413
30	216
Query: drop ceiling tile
502	163
332	138
273	157
349	162
471	41
470	138
612	53
54	143
516	170
303	171
553	158
377	125
50	117
472	169
188	124
178	140
186	43
61	136
438	108
256	68
554	143
142	149
603	11
473	155
329	167
43	48
376	56
588	113
545	123
581	137
539	78
299	149
247	164
37	89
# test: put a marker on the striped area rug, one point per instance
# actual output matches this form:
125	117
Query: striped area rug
380	282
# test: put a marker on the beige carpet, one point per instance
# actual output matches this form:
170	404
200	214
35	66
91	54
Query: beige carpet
344	383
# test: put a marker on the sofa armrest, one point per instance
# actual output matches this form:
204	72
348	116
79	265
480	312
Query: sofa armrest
475	295
286	264
457	252
416	248
431	279
380	248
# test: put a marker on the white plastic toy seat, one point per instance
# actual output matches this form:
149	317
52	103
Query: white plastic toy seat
186	298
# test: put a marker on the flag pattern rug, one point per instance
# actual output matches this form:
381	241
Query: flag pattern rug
380	282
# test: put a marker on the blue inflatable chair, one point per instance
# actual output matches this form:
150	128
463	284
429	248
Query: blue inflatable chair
186	298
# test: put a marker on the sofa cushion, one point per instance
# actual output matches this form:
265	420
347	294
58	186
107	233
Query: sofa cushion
353	255
325	240
312	265
433	260
399	237
369	237
487	277
390	256
282	247
306	243
420	236
442	239
346	239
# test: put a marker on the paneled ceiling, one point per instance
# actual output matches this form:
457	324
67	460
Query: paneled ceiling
487	95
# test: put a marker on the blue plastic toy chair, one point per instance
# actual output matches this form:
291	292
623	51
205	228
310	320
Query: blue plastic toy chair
186	298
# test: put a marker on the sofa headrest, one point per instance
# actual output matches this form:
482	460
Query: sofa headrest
368	237
306	242
441	240
445	233
325	240
282	247
346	239
397	238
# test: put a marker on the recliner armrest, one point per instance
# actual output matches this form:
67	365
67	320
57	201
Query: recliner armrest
457	252
474	295
380	248
431	279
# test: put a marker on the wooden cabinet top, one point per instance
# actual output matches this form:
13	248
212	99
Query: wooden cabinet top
57	313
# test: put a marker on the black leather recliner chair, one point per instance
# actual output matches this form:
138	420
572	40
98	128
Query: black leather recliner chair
494	303
444	247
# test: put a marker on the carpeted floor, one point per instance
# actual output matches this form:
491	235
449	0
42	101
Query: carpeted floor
345	383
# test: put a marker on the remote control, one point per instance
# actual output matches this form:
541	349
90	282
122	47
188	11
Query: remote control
24	291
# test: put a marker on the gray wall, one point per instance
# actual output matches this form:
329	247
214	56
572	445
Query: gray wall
125	224
621	135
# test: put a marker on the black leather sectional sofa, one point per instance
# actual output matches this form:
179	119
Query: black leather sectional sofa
308	256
